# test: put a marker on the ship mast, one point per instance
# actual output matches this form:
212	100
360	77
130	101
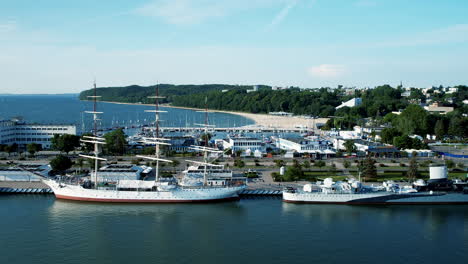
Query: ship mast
95	139
205	149
156	140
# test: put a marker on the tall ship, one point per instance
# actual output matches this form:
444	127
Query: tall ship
142	191
437	190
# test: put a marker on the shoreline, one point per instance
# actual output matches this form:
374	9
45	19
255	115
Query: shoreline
263	120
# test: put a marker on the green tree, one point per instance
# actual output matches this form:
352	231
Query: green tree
388	134
61	163
450	164
239	163
33	148
175	163
320	164
279	163
350	147
149	151
116	144
458	127
439	129
413	120
65	143
306	164
412	173
11	148
87	147
293	173
369	171
80	162
346	164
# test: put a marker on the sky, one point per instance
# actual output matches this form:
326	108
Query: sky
56	46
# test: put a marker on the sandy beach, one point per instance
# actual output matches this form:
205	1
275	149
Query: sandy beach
263	120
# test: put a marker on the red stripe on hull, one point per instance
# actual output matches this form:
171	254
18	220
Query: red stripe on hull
102	200
380	203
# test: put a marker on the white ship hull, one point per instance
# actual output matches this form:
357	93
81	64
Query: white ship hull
375	198
176	195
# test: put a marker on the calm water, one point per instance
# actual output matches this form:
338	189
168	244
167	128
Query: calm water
40	229
67	109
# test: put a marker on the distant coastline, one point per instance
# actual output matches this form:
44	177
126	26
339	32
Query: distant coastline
263	120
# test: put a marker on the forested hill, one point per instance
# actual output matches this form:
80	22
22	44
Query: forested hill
139	94
376	102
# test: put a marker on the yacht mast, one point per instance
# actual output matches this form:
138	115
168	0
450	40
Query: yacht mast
205	154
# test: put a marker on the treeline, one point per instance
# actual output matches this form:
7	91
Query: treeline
316	102
139	94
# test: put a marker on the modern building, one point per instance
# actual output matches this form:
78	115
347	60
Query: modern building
244	144
315	146
181	144
351	103
370	147
15	131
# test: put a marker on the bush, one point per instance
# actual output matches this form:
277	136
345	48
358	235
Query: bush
393	161
461	165
450	164
426	163
276	176
251	174
61	163
382	165
346	164
402	165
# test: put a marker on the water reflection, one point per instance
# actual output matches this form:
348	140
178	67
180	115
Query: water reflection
433	219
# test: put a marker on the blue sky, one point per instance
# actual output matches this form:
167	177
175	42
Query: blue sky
61	46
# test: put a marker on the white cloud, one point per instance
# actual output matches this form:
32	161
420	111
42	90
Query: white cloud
283	13
327	70
187	12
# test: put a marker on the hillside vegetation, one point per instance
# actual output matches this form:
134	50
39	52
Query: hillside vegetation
377	105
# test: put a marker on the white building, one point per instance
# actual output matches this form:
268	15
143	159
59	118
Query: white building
254	89
13	131
351	103
306	145
244	144
450	90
